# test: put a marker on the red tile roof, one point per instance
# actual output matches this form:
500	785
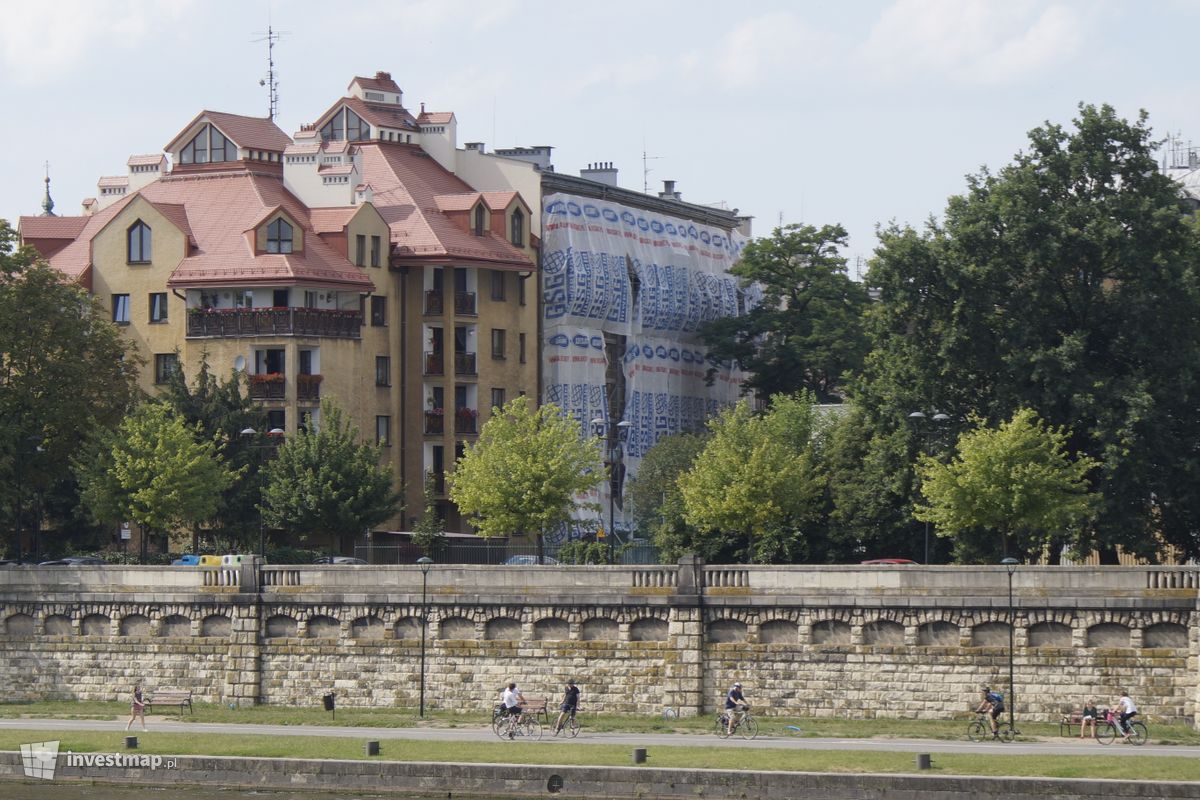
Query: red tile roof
256	133
500	200
109	181
435	117
456	202
331	220
50	227
382	82
152	159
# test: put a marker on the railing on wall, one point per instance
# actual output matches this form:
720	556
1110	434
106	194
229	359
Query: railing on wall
1172	578
726	577
215	577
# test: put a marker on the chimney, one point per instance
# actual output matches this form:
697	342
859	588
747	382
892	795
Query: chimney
600	172
383	76
668	192
479	146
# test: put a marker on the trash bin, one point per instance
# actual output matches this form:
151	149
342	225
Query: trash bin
327	699
186	561
210	561
234	560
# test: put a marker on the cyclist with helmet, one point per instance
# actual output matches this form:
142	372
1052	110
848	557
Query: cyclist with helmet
995	702
736	706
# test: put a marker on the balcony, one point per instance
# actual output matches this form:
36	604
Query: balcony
464	364
235	322
464	304
437	480
466	420
268	386
434	363
434	303
435	421
308	387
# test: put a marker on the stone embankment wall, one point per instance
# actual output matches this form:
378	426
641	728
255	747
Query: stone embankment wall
852	641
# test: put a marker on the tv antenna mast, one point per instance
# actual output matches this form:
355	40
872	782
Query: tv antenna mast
272	80
646	168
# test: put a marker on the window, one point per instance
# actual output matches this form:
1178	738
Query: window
376	250
360	250
521	347
310	298
517	232
165	365
276	419
210	145
309	420
383	430
521	289
279	236
497	284
138	244
479	220
158	307
345	124
497	343
306	362
120	305
383	371
497	398
378	311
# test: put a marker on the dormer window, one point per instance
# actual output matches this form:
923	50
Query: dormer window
138	243
479	213
209	147
345	124
517	228
279	237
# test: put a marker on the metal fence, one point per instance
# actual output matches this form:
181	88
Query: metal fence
492	551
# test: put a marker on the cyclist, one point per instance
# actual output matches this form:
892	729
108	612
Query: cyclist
570	703
736	707
512	700
995	702
1128	711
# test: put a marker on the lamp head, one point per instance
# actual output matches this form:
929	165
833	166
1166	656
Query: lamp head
247	432
425	562
1010	564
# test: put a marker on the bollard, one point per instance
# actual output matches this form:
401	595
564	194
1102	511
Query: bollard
639	755
372	748
131	743
923	761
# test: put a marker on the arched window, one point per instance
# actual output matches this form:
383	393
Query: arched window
279	237
479	220
138	243
518	228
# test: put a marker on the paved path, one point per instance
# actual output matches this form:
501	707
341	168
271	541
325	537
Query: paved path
767	738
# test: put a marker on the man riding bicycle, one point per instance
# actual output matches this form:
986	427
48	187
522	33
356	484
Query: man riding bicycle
735	707
511	701
570	703
995	702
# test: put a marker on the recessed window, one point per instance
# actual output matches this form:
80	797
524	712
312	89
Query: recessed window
518	228
521	290
120	309
360	250
479	213
276	419
345	124
383	431
498	335
383	371
165	365
497	398
138	243
158	307
378	311
209	146
279	236
497	284
521	347
376	250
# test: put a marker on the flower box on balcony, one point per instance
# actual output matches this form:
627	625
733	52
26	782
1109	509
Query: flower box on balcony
266	377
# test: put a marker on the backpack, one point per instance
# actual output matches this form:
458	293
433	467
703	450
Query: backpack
995	697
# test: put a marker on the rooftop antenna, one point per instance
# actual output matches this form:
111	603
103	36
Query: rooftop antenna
271	81
646	168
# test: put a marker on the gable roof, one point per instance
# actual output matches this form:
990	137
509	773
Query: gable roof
50	227
435	117
382	82
377	114
255	133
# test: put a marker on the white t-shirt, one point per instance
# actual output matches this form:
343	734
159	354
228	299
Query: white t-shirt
510	698
1127	705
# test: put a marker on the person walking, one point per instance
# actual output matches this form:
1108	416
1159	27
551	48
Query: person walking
137	706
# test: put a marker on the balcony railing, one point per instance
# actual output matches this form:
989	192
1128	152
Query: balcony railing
308	387
434	302
438	481
267	386
231	322
434	363
464	364
465	420
464	303
435	421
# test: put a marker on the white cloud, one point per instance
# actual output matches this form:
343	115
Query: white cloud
758	49
971	41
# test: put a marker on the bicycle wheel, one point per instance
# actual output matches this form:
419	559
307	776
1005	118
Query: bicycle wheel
1007	734
572	727
1137	733
723	726
531	728
977	731
749	728
500	725
1106	732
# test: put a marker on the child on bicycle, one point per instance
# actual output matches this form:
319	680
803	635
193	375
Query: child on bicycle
995	702
570	703
736	707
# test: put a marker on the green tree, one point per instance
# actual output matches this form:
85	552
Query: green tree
655	495
64	374
429	533
328	483
754	493
1054	285
525	472
806	332
222	411
155	471
1017	480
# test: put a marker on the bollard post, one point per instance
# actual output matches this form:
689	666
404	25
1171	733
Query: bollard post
639	755
923	761
372	748
131	743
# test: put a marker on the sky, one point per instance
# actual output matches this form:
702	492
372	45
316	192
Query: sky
858	113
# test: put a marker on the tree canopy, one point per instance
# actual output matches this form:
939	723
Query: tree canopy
525	472
656	497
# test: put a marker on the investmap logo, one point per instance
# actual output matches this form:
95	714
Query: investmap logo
40	759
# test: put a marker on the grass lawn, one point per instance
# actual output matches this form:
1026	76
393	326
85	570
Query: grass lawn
564	753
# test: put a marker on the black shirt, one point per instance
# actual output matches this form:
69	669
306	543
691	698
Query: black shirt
571	697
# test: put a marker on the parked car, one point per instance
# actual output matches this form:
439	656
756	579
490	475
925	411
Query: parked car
339	560
74	561
529	560
889	561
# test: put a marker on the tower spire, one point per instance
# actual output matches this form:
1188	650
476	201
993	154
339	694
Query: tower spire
47	202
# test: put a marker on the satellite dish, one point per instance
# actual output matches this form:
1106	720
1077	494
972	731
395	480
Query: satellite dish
239	363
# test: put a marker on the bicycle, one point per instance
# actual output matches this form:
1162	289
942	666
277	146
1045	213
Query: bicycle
526	725
746	724
980	729
1109	729
570	727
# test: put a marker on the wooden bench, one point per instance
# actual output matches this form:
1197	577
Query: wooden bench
1072	721
538	706
170	697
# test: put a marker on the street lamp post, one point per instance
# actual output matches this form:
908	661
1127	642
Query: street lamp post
613	452
1011	565
425	562
248	434
939	418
